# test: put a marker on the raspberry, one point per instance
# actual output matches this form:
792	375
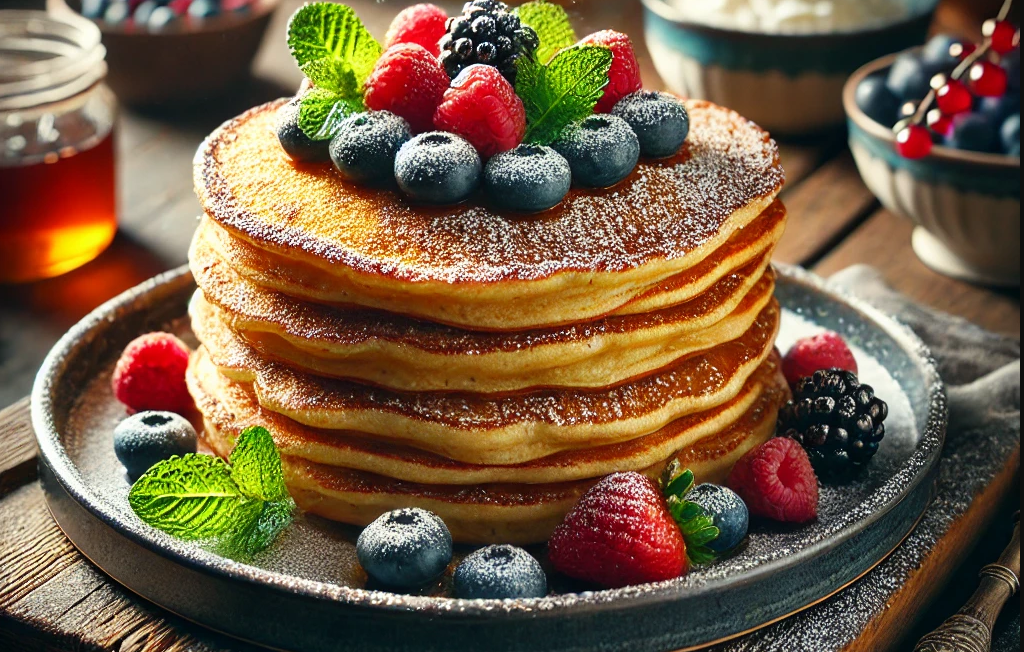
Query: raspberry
408	81
422	24
150	374
620	532
624	75
482	107
809	354
776	481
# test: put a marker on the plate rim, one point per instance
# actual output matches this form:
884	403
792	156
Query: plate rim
925	454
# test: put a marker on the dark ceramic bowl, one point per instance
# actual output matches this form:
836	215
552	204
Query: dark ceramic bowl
789	83
966	205
188	62
307	592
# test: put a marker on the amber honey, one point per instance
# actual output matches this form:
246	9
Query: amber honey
58	213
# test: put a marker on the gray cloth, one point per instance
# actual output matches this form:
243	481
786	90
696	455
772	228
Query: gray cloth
982	375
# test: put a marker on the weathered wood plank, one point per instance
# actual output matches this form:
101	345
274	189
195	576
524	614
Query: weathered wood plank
883	241
822	209
18	446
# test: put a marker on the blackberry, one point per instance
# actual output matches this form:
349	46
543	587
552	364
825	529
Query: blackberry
836	419
488	33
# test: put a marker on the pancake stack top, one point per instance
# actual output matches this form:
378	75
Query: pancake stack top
486	365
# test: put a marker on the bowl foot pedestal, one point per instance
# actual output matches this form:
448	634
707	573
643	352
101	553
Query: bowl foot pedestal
940	258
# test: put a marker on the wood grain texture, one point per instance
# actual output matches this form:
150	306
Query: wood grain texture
17	447
883	242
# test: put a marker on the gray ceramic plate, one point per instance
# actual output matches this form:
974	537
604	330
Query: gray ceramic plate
308	593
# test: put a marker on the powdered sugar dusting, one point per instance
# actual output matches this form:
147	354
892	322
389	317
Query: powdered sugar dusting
663	210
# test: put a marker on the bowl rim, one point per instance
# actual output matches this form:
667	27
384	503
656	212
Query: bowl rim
665	11
885	134
219	23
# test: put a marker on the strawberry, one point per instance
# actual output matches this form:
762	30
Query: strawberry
619	533
408	81
422	24
482	107
822	351
776	481
624	75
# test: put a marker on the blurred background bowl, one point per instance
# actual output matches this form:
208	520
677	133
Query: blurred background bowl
788	83
966	205
187	62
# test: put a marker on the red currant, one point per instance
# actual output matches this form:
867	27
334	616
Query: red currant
938	122
1002	36
913	141
953	97
987	79
961	50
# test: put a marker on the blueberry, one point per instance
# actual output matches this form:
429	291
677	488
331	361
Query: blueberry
528	178
976	132
875	99
143	11
908	77
1009	133
999	108
406	547
438	168
364	146
161	18
935	53
296	144
601	150
727	510
500	572
145	438
203	8
659	121
1011	63
116	13
94	8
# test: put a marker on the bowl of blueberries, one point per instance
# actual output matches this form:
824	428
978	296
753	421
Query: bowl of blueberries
177	51
935	132
780	63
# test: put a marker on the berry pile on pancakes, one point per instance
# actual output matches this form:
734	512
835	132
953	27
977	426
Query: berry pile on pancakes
487	366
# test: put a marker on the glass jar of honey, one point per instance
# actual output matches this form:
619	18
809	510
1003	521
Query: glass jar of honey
58	206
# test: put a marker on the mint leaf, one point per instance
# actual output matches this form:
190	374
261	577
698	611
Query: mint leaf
325	30
256	465
258	531
192	497
551	24
563	91
321	111
329	74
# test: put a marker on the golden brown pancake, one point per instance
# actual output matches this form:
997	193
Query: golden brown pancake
479	267
503	429
229	407
405	354
494	512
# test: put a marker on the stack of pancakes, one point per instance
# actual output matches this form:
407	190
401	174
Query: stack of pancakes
489	367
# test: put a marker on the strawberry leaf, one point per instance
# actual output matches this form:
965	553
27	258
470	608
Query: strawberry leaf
551	24
561	92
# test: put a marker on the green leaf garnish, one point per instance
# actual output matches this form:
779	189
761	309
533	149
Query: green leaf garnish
561	92
337	53
697	526
551	24
239	507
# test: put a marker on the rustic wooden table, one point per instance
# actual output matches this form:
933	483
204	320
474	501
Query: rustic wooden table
834	222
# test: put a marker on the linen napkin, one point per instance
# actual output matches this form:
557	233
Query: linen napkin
982	375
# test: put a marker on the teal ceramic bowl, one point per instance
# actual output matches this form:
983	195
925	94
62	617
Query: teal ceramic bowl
787	83
965	205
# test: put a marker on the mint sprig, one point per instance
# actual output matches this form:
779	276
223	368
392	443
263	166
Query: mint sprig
240	506
697	526
551	24
562	91
337	53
